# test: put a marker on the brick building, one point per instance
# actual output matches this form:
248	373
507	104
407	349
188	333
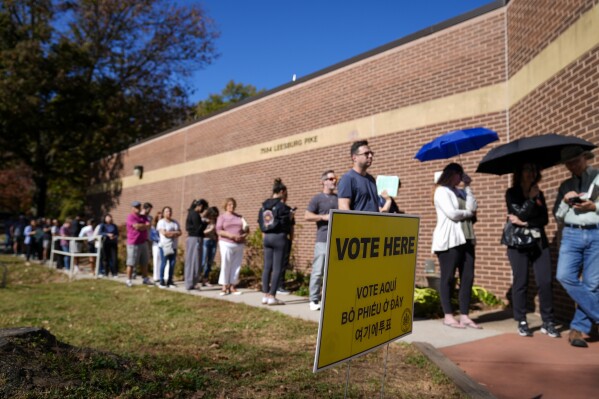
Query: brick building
522	68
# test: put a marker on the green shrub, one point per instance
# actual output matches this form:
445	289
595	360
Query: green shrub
479	294
427	302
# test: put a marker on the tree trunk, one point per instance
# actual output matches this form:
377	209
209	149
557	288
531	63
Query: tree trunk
41	194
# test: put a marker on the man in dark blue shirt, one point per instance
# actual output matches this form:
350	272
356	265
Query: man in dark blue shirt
357	188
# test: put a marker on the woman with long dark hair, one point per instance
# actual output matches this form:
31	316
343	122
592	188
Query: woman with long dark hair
209	216
527	208
110	238
193	246
453	241
276	240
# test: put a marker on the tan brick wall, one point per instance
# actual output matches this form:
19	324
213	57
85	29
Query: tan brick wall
459	59
533	24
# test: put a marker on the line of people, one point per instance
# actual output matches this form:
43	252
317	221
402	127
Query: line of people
453	239
527	243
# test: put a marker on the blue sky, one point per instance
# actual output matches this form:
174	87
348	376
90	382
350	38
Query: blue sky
266	42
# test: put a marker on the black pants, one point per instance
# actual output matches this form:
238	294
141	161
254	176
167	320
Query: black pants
541	264
461	258
286	265
275	247
109	258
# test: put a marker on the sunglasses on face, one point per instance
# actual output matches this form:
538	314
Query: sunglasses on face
367	154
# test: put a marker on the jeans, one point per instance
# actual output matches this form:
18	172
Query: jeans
208	256
171	268
66	259
579	249
320	252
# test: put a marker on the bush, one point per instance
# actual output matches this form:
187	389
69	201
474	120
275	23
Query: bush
427	302
479	294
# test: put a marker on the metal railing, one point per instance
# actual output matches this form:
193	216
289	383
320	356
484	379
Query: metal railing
98	241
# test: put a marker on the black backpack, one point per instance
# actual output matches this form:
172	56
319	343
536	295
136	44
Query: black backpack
270	217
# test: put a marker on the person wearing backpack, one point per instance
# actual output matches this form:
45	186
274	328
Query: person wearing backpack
276	220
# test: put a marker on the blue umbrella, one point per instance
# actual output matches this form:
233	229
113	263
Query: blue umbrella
456	143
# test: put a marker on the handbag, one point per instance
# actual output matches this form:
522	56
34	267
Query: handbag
167	248
519	236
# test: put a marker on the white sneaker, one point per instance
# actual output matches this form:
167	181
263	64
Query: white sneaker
274	302
264	300
314	305
129	283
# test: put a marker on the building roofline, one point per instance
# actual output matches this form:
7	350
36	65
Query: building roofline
492	6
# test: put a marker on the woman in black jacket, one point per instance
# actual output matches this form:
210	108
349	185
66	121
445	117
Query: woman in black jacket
193	245
276	240
527	208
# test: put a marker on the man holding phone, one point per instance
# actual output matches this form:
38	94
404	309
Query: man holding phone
579	247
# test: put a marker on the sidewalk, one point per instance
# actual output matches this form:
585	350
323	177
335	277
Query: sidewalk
492	362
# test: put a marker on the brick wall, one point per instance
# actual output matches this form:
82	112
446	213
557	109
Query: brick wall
567	104
458	59
533	24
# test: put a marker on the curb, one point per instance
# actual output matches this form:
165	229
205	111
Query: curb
464	383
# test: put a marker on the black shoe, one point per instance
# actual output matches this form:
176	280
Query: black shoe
523	329
576	339
549	329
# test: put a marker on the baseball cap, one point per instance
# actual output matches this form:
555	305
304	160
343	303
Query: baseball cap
136	204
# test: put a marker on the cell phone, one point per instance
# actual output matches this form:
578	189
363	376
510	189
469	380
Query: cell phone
574	200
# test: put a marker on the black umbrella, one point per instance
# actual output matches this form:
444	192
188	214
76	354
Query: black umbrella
544	150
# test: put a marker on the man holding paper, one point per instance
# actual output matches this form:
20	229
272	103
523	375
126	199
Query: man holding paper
357	188
577	207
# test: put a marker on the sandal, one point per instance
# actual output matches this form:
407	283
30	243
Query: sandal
471	324
454	324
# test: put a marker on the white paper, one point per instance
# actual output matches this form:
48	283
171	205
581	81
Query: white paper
592	193
389	183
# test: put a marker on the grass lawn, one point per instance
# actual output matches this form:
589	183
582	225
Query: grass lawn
143	342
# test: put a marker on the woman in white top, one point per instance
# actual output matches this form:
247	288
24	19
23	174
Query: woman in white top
155	239
88	232
453	241
169	231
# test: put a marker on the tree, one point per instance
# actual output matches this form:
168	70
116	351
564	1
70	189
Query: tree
83	79
16	188
231	94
